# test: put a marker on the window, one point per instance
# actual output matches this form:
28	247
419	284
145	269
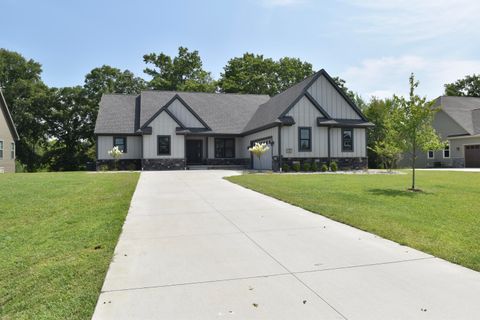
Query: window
225	148
430	154
1	149
446	151
304	139
12	151
347	140
163	145
121	143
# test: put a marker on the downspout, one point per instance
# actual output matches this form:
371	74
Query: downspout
329	152
96	152
280	147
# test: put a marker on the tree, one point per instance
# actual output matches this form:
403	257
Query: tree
355	97
70	123
468	86
255	74
182	73
27	97
413	122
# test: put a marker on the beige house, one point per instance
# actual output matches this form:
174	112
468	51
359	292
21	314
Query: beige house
8	136
312	121
458	123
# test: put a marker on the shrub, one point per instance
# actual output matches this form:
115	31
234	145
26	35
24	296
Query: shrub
333	166
324	168
314	166
103	167
296	167
306	166
285	167
131	167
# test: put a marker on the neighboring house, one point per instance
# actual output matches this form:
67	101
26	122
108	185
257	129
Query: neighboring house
8	136
458	123
160	130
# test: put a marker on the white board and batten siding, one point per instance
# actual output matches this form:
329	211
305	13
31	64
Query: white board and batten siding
271	133
331	101
184	115
134	147
163	125
359	144
305	115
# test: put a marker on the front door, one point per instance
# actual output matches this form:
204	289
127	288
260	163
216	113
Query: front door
194	151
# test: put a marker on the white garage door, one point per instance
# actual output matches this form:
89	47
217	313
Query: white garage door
265	161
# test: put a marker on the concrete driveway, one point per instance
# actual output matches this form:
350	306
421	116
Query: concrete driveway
195	246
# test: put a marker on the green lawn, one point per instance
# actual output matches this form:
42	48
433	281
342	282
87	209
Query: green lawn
444	220
57	236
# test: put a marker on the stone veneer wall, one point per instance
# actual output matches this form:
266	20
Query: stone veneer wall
228	161
163	164
123	164
343	163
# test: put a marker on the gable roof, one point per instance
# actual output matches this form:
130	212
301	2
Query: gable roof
465	111
280	104
8	117
118	114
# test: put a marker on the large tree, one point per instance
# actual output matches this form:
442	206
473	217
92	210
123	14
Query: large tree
256	74
468	86
413	124
181	73
70	122
27	97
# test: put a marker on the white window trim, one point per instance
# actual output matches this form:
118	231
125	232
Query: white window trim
428	154
3	149
448	143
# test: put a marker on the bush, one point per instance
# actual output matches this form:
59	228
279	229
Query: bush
296	167
285	167
333	166
103	167
131	167
314	166
306	166
324	168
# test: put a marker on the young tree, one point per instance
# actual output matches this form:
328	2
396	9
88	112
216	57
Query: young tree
413	122
182	73
468	86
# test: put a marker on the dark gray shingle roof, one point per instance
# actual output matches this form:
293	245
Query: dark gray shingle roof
118	113
463	110
8	116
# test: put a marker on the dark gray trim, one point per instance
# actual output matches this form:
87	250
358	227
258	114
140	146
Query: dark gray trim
206	148
317	105
265	127
261	139
280	147
193	112
329	146
300	96
349	101
353	140
287	121
174	118
119	134
8	118
96	147
155	115
125	147
300	138
169	145
342	123
215	147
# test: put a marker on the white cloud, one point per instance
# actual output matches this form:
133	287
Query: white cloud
385	76
416	20
282	3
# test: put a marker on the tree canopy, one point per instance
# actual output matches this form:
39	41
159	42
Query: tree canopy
468	86
254	74
182	73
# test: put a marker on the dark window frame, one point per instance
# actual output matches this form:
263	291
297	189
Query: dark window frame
12	151
343	140
169	145
300	149
223	155
446	149
2	149
124	140
428	154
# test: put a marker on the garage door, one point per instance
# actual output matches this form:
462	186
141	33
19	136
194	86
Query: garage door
265	161
472	156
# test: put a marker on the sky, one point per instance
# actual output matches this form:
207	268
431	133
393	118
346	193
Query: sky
373	45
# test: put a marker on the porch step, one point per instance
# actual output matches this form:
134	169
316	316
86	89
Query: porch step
218	167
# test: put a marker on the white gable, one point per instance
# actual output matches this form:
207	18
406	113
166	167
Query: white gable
184	115
331	101
304	113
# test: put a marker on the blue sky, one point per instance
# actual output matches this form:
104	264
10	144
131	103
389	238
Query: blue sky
373	45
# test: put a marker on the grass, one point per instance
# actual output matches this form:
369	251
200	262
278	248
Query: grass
57	236
443	220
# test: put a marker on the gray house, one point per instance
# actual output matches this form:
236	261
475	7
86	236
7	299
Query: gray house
161	130
457	123
8	136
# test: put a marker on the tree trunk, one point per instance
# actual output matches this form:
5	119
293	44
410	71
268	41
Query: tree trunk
414	157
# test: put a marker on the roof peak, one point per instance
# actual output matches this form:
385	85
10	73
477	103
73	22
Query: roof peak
208	93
